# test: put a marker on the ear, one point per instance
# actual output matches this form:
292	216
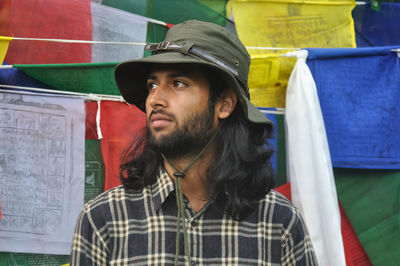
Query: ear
225	103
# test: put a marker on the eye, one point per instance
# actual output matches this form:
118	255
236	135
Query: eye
179	84
151	85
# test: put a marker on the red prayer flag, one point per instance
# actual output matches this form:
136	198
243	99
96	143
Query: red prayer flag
48	19
120	125
90	123
354	252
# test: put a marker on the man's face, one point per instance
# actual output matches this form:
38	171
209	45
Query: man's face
179	119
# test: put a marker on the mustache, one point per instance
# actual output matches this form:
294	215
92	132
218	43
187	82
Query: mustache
162	112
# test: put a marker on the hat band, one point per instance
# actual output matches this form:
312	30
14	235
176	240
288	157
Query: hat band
188	48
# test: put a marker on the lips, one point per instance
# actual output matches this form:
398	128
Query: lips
159	120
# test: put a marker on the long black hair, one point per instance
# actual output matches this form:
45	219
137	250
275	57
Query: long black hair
241	173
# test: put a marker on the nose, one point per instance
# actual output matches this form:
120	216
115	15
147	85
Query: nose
158	97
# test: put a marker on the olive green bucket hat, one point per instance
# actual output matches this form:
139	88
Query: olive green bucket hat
193	42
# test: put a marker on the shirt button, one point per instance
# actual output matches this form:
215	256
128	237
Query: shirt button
193	223
194	262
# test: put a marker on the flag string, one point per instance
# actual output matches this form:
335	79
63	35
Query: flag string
131	43
76	41
87	96
143	44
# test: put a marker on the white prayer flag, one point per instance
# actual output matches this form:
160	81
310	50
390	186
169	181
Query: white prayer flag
42	171
309	165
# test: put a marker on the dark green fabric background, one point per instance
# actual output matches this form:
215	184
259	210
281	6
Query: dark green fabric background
174	11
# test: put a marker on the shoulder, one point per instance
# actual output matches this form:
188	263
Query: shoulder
278	202
279	210
295	241
116	194
102	207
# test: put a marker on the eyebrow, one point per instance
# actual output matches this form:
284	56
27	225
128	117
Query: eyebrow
172	75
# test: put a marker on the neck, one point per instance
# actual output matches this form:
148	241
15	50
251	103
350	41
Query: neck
194	184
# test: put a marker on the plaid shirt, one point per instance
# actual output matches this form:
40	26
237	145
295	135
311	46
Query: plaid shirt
125	227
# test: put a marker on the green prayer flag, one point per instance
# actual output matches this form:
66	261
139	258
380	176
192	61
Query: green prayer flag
94	169
174	11
371	199
155	34
84	78
27	259
218	6
280	152
376	5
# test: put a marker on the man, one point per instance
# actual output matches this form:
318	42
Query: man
198	189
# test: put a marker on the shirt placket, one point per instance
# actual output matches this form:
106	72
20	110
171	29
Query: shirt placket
194	227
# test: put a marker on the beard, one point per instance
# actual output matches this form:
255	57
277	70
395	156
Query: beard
188	138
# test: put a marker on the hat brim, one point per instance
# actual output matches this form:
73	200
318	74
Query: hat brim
131	79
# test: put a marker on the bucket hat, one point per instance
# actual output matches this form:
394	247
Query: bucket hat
193	42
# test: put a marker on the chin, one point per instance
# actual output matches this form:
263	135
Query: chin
158	136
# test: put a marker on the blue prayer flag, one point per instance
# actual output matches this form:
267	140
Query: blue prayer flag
377	28
359	93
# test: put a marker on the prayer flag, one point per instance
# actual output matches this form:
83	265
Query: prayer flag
268	78
120	124
4	42
371	201
174	11
94	169
42	162
26	259
292	24
56	19
354	251
309	165
359	91
377	28
114	25
87	78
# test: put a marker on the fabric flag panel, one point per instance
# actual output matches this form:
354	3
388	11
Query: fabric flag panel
56	19
42	162
309	165
273	141
173	11
14	76
289	23
359	91
354	251
292	24
94	185
371	201
26	259
377	28
268	78
4	42
86	78
114	25
94	169
280	151
120	124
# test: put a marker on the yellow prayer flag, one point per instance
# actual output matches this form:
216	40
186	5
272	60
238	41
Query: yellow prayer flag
4	42
294	23
268	78
287	23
